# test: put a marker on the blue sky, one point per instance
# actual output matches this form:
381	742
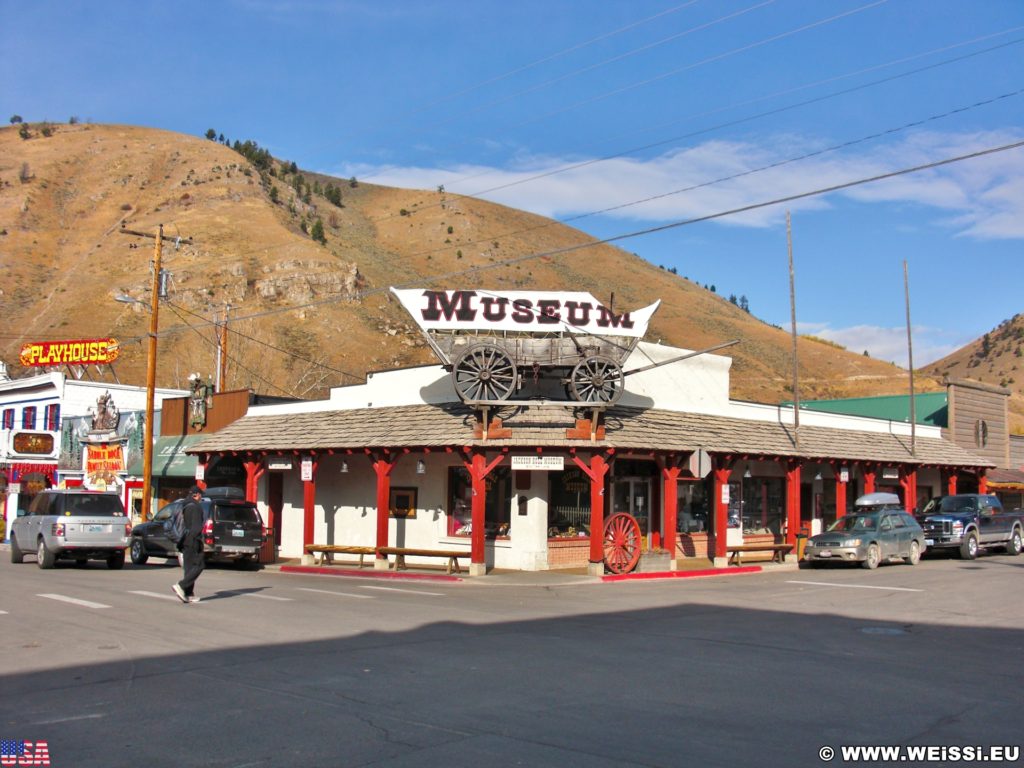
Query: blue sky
571	108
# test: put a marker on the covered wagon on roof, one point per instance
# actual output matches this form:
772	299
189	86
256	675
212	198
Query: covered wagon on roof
499	343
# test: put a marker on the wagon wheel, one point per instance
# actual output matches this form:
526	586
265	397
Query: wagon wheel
484	372
597	379
621	543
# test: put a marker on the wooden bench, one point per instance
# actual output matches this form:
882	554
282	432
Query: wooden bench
400	552
779	551
325	552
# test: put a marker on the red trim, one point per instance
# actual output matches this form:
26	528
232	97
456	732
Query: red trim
479	469
983	483
720	470
309	504
671	502
792	500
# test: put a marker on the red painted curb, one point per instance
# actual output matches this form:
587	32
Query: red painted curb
685	574
316	570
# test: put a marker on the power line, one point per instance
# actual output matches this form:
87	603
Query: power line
742	120
639	233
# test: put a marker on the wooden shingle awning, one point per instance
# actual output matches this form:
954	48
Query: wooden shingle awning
452	425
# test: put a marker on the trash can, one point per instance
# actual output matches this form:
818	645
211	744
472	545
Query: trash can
801	543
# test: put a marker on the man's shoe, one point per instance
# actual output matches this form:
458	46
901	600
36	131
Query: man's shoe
193	599
176	589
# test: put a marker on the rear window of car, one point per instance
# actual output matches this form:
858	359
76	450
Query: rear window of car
86	505
236	513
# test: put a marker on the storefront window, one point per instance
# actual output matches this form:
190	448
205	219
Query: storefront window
693	515
569	504
497	499
28	417
764	505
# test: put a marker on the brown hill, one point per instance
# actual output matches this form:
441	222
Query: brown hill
995	358
63	198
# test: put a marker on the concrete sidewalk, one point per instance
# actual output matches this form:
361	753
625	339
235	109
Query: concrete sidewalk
496	577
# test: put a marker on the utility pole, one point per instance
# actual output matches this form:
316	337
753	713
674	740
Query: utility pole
792	318
154	311
910	364
222	351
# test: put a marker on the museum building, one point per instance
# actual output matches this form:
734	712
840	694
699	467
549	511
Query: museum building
404	461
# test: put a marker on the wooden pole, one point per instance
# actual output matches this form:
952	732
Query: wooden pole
792	319
910	364
147	447
222	352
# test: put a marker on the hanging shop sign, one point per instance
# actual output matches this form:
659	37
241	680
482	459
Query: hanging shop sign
279	465
307	470
890	473
525	311
104	458
78	352
539	463
32	443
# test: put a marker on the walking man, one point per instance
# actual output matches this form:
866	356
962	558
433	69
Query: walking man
192	546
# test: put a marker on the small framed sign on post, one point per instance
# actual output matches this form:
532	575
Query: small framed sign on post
307	469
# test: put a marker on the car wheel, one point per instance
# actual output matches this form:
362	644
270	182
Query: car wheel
45	557
139	556
874	556
969	546
116	561
915	553
1013	546
16	553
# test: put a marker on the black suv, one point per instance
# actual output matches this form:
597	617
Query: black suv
233	530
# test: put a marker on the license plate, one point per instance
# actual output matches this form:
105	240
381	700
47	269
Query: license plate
825	553
96	528
248	550
929	542
238	533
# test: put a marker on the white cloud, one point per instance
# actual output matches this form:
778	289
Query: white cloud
890	344
981	198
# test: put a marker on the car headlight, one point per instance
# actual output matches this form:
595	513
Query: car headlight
851	543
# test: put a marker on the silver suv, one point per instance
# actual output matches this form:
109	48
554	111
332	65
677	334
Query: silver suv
72	524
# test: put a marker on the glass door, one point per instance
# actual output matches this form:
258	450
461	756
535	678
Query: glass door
633	495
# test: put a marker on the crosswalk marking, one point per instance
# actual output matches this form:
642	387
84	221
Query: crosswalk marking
331	592
158	595
407	591
73	600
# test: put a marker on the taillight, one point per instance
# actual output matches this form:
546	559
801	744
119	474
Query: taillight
128	528
58	529
208	531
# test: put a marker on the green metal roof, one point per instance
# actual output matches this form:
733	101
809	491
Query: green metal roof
930	407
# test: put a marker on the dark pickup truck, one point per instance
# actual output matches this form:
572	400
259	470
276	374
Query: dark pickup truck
969	521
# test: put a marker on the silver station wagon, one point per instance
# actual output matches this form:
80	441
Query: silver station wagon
72	524
878	530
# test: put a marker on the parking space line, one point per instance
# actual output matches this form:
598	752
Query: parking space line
264	597
158	595
331	592
854	586
73	601
407	591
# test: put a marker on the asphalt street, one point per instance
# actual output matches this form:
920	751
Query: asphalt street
276	669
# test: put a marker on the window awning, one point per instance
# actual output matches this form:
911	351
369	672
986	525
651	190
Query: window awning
169	457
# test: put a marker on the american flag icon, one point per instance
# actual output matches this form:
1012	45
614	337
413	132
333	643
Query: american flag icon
10	751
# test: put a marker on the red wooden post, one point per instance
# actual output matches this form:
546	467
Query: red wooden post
908	481
382	467
671	485
983	482
841	488
254	470
869	478
479	469
721	469
202	460
596	471
792	500
951	484
309	504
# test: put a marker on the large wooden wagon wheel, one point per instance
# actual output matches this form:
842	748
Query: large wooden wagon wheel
484	372
596	379
621	543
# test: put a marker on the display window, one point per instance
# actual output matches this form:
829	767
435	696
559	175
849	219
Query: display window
568	504
764	505
497	500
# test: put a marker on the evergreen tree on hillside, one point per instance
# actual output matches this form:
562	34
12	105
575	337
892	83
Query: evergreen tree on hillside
211	134
318	232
